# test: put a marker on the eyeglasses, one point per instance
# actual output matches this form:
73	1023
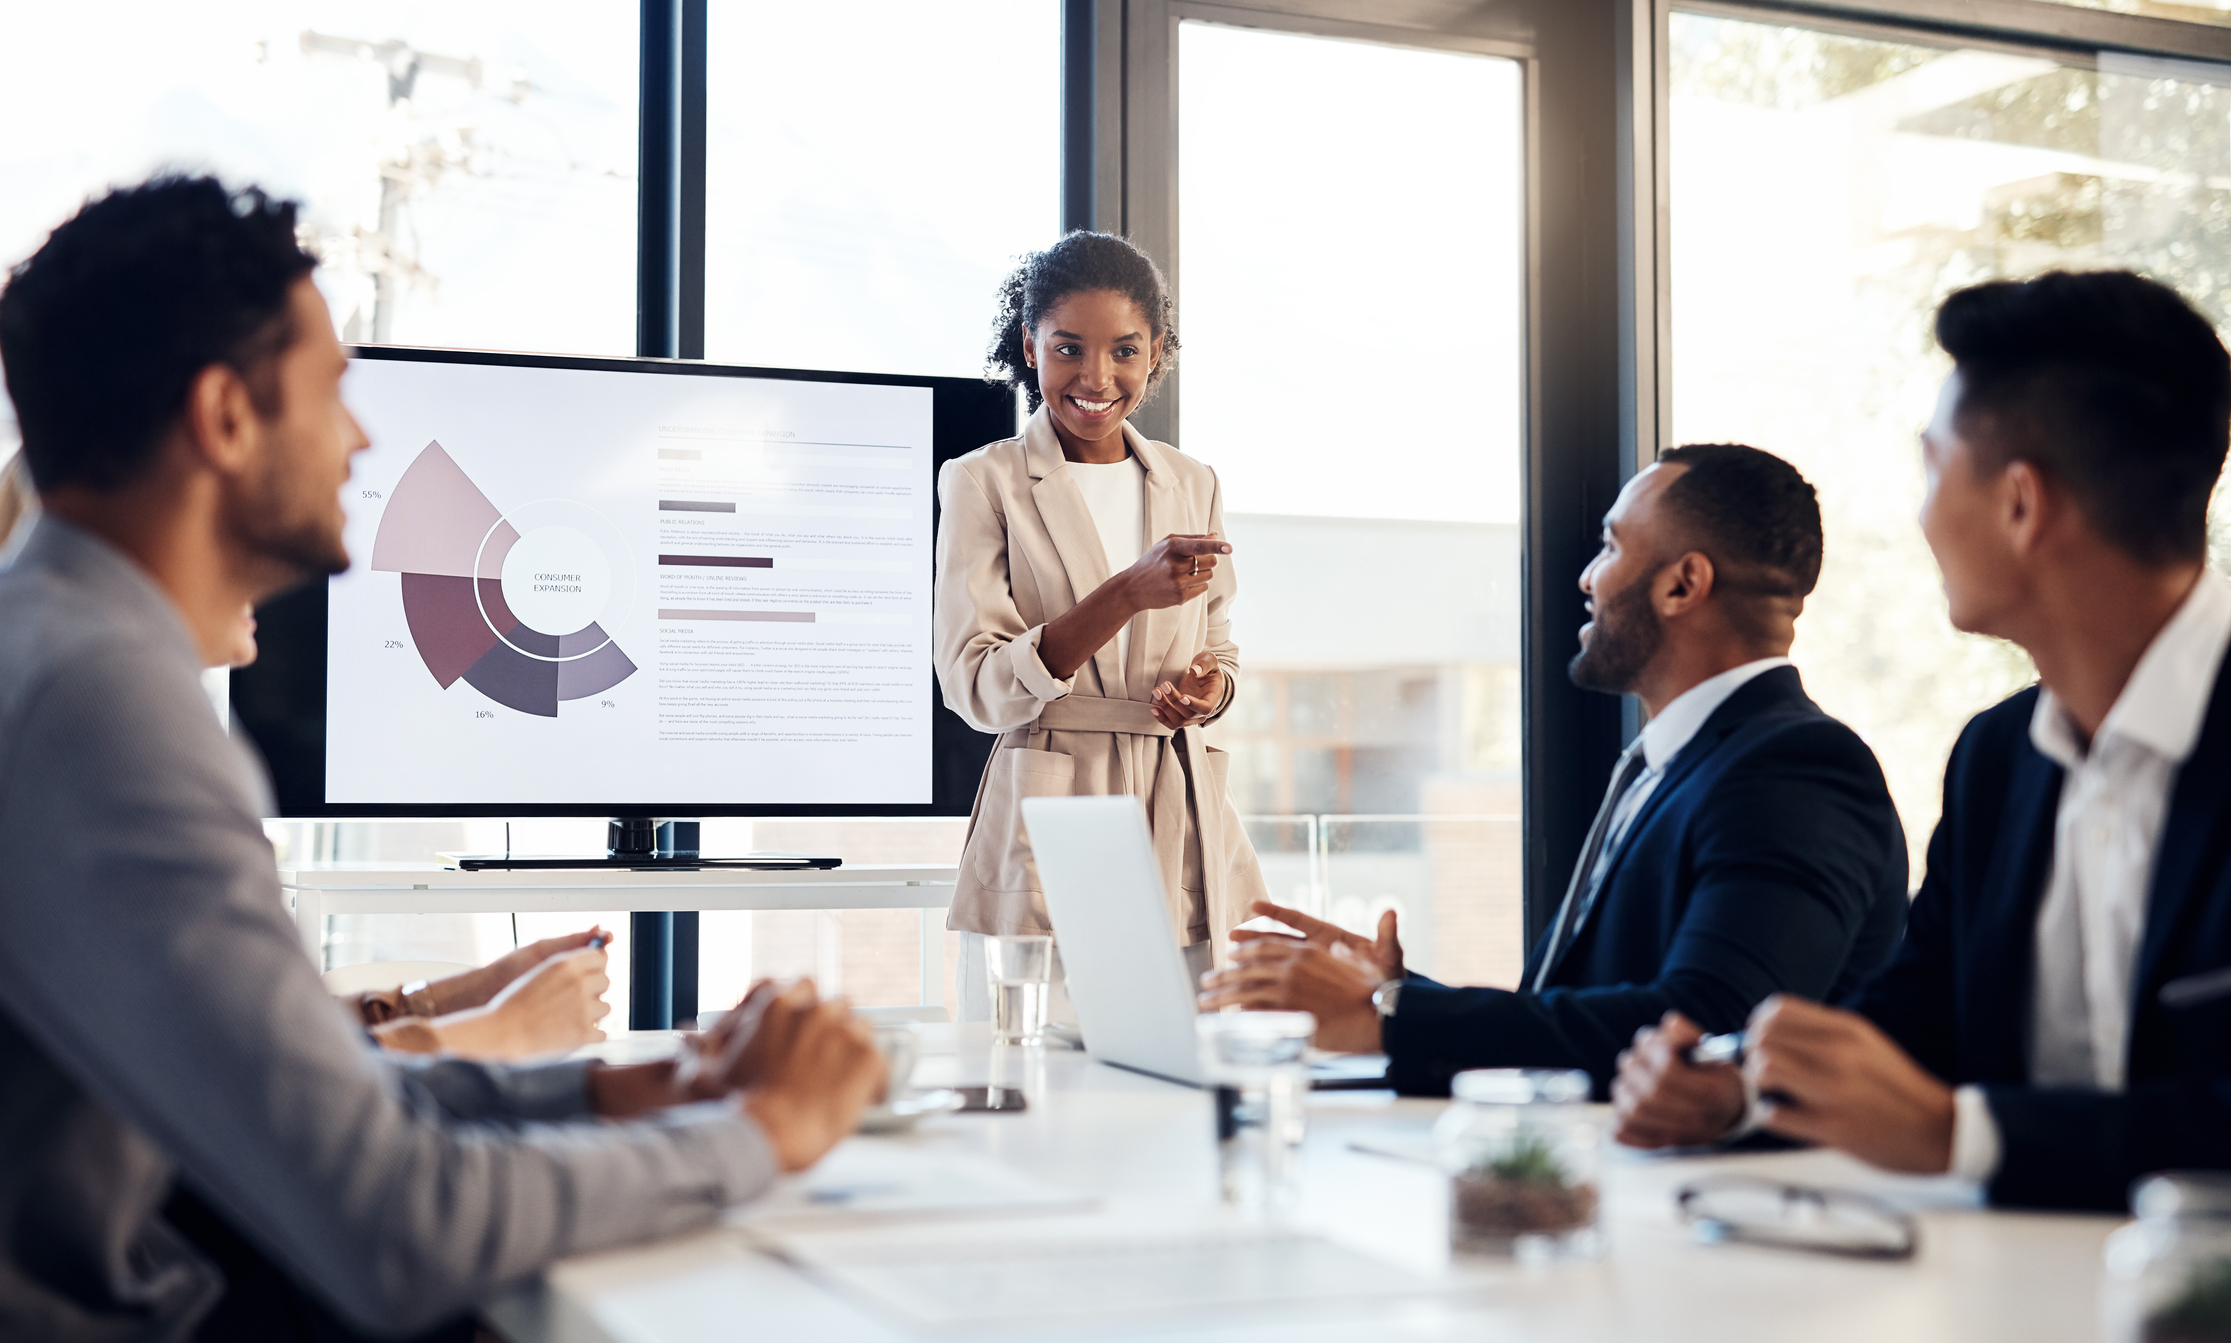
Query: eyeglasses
1796	1217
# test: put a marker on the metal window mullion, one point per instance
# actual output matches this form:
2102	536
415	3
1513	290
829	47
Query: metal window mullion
670	191
689	191
670	324
2028	25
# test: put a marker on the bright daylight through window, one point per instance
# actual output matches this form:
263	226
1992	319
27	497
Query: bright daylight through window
1350	296
469	169
873	168
1802	298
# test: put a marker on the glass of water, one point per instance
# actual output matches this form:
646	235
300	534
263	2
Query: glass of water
1020	968
1258	1065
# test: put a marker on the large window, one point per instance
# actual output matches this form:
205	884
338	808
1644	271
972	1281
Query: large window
1351	296
469	170
1828	192
873	168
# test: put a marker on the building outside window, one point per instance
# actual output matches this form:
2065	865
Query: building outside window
1351	296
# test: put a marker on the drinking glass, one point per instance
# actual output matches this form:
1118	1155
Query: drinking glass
1020	968
1257	1063
2169	1272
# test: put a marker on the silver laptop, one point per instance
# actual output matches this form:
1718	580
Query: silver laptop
1127	977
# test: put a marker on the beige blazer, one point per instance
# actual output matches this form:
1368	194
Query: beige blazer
1017	547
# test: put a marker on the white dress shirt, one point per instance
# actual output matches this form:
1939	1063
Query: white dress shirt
2106	835
1662	739
1115	495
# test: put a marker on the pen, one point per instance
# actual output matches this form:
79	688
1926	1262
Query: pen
2193	990
1727	1048
1715	1049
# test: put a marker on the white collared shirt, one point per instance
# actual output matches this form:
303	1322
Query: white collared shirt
1662	739
2106	837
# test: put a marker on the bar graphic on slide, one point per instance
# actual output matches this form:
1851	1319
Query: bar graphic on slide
449	543
799	617
694	506
719	561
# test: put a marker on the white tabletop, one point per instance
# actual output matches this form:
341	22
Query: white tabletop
1979	1276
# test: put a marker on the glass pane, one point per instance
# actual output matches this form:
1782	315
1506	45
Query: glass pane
2196	11
872	956
1450	879
1802	299
469	170
1350	301
872	169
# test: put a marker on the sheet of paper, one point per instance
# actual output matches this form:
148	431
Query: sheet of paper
1033	1281
866	1182
1126	1266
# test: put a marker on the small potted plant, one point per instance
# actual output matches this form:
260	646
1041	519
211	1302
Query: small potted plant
1521	1150
2199	1312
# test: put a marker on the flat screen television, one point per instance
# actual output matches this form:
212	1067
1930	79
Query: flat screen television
625	587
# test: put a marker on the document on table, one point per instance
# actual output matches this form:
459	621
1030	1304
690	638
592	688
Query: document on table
1180	1261
865	1183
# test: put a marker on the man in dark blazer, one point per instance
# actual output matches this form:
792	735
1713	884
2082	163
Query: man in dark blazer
2058	1020
1747	843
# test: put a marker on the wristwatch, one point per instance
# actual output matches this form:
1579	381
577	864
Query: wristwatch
1386	997
416	1000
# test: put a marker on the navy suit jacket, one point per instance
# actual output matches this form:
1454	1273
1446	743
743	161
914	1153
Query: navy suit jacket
1957	996
1768	859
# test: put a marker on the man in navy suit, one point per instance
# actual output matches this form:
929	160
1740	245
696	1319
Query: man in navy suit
1747	843
2058	1020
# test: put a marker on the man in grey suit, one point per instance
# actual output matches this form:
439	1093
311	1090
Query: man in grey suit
177	381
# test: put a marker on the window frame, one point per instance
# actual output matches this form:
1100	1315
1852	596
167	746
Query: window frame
1598	377
2066	33
1121	176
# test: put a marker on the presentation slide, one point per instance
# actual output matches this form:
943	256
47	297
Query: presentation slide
604	588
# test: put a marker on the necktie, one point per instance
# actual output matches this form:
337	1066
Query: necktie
1582	886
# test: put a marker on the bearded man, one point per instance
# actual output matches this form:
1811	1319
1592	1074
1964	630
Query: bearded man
1746	846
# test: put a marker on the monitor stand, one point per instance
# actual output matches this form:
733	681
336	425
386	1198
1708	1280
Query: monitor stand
641	844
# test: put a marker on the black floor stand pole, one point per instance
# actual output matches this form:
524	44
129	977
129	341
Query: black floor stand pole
651	969
684	969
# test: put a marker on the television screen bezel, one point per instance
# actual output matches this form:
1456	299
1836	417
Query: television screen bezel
270	695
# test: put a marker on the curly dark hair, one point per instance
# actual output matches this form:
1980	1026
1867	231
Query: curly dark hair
1080	263
106	326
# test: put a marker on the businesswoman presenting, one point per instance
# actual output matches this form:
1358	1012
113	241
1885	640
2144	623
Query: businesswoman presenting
1084	595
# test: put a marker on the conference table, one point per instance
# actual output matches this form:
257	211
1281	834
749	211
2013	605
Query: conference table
1135	1159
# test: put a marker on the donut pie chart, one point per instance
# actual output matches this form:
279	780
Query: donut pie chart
449	544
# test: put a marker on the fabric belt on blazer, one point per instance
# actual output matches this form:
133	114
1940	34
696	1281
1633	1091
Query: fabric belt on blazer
1166	807
1092	713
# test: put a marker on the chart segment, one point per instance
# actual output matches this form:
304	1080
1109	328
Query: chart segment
454	550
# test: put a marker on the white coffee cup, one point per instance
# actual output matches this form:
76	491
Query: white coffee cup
900	1045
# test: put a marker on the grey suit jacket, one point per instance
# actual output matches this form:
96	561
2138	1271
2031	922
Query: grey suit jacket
158	1019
